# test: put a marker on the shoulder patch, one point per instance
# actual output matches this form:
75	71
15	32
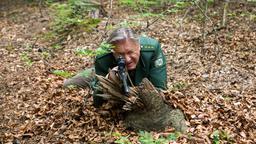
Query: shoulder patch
159	62
148	44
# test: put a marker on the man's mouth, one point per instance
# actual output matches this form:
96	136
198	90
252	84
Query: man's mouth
129	65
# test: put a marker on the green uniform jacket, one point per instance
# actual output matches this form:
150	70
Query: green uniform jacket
151	65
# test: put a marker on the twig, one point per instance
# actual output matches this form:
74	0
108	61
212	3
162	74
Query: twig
109	17
213	31
110	14
203	12
205	23
225	13
154	21
34	43
40	8
214	28
111	130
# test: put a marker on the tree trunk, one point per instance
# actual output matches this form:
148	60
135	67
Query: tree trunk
224	16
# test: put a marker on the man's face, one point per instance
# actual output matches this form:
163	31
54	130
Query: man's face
130	50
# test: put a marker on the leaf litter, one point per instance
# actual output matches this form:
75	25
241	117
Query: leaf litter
213	84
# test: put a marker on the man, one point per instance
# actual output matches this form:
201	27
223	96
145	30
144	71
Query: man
143	57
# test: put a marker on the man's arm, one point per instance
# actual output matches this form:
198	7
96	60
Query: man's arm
158	73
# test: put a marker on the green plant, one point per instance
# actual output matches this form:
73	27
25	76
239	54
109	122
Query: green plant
142	5
62	73
103	49
48	35
56	46
26	59
216	137
178	86
219	136
179	6
227	97
232	14
147	15
147	138
253	17
121	139
153	5
45	55
173	136
85	52
71	16
126	23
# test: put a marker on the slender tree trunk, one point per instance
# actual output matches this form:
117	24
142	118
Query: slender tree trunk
224	16
205	20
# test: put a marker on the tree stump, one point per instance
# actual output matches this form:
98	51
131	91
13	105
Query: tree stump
144	106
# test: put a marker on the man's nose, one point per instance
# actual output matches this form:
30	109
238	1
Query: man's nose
127	58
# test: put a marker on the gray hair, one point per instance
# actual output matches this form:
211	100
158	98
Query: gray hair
122	34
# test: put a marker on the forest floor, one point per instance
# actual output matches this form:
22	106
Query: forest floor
212	80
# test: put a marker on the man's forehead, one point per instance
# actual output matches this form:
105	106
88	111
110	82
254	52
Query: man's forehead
125	45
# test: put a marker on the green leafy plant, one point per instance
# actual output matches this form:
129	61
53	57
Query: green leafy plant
45	55
178	86
152	5
62	73
178	6
143	5
216	137
147	138
219	136
103	49
126	23
85	52
71	16
225	136
121	139
147	15
56	46
173	136
26	59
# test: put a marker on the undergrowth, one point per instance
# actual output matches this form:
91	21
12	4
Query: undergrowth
72	16
145	137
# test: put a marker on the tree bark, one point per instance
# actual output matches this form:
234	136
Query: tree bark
144	107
